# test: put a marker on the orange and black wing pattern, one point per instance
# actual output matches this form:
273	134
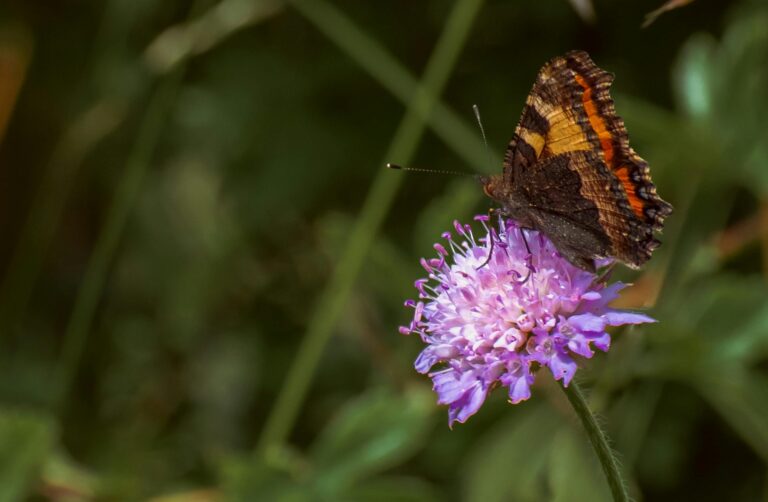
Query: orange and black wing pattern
569	112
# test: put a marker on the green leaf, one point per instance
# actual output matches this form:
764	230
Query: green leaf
734	316
722	305
510	461
741	398
574	472
371	434
25	440
716	84
392	489
721	322
63	472
693	76
695	222
711	340
750	341
247	479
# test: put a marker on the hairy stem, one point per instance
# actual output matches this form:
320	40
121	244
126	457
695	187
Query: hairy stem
599	440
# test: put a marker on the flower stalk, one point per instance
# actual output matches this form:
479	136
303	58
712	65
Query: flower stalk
599	440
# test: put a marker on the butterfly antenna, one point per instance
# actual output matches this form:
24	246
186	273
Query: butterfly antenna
433	171
442	171
476	109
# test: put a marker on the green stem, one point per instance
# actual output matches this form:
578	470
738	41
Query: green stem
333	299
599	440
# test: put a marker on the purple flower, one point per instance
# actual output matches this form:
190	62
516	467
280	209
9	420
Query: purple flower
490	322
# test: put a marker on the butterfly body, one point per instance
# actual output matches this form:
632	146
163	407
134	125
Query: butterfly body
570	173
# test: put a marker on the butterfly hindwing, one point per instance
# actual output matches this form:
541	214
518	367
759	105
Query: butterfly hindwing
552	200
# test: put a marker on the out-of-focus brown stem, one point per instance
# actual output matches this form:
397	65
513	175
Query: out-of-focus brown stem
762	233
733	239
15	55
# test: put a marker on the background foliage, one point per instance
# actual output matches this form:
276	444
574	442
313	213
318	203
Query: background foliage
193	208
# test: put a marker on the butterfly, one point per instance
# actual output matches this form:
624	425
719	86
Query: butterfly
570	173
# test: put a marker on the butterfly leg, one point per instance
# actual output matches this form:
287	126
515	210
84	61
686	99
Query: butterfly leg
491	234
605	273
528	259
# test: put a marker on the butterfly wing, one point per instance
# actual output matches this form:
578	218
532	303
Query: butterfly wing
569	112
552	200
551	122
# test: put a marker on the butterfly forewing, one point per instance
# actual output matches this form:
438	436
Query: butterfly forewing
570	115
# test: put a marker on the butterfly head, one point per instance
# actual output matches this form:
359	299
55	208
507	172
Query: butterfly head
491	186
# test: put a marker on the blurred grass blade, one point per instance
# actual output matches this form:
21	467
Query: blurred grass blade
372	57
127	188
741	398
651	17
333	299
197	36
584	9
126	191
457	201
632	419
573	473
25	440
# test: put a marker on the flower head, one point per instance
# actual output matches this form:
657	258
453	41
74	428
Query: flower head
496	321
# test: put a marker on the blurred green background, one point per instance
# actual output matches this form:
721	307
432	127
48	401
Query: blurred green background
204	261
